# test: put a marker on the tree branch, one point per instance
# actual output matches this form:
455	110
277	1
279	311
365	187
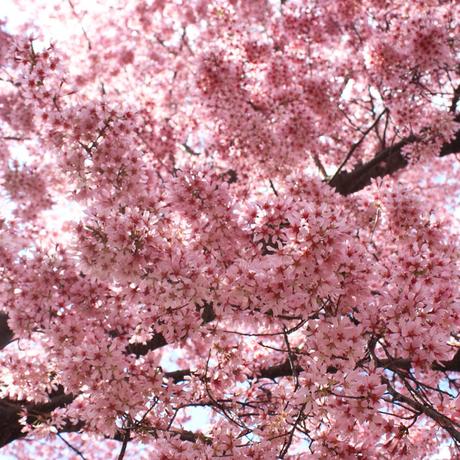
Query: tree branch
6	334
357	144
11	412
387	161
432	413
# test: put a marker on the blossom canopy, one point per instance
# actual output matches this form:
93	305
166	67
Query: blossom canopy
230	229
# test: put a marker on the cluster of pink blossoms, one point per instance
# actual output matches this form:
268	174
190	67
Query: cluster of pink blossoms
229	229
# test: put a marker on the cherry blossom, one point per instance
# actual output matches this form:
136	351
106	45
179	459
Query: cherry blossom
230	229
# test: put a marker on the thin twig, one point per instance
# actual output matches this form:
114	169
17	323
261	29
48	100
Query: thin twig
188	149
15	138
319	165
291	358
273	187
266	334
288	443
67	443
72	7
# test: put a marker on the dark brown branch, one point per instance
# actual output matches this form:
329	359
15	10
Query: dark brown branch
387	161
455	99
10	411
430	412
10	414
279	370
126	439
70	446
140	349
15	138
453	146
6	334
178	376
190	436
452	365
188	149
